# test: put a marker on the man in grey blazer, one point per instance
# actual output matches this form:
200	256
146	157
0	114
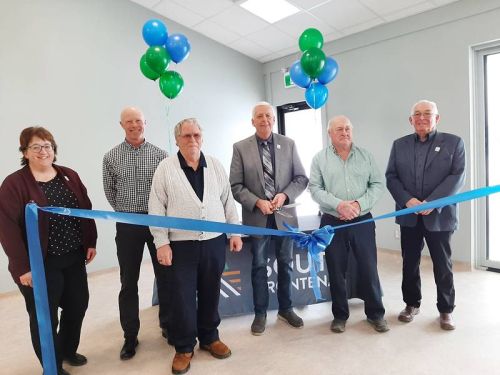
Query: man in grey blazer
266	174
424	166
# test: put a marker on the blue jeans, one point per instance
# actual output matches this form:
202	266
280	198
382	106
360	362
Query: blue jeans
283	250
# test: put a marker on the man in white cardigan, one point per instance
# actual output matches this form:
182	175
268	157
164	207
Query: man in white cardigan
195	186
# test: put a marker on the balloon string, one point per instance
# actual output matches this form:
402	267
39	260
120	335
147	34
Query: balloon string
169	126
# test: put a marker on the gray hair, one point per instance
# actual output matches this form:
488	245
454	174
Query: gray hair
424	101
337	118
178	127
259	104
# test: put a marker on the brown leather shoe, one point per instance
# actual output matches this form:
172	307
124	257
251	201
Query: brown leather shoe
446	321
408	313
181	363
218	349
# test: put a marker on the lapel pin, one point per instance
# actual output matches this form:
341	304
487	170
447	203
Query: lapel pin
278	147
437	149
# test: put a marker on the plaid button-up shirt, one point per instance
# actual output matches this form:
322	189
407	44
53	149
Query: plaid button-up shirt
127	173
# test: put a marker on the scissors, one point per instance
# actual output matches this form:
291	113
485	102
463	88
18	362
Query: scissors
284	213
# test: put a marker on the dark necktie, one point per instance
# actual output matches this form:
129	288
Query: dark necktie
268	171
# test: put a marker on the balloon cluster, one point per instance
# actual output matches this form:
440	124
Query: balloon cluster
163	48
314	70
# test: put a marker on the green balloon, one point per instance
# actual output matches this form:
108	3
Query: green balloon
157	59
310	38
313	61
146	70
171	84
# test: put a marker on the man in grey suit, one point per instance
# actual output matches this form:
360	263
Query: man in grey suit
266	174
424	166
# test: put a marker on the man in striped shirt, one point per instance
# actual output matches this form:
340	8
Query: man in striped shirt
128	170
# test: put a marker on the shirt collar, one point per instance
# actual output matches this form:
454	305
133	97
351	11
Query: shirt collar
135	148
268	140
351	151
430	136
184	164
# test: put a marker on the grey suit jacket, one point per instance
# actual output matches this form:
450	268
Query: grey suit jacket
444	175
247	178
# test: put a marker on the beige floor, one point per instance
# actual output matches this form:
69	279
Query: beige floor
419	347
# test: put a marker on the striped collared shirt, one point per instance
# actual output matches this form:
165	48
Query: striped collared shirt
127	173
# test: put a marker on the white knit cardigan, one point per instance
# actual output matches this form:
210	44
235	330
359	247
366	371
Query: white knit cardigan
172	195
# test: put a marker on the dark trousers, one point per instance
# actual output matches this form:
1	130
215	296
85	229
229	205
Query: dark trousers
412	243
194	279
130	240
360	239
284	251
67	289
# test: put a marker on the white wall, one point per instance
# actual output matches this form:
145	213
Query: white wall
385	70
72	65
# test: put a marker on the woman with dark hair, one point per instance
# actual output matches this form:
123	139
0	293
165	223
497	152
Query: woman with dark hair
67	243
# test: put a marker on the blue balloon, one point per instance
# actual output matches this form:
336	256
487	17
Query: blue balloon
178	47
155	33
329	72
316	95
298	76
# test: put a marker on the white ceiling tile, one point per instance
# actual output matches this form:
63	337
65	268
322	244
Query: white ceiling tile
419	8
307	4
281	53
206	8
177	13
272	39
362	26
146	3
216	32
343	13
388	6
239	20
249	48
296	24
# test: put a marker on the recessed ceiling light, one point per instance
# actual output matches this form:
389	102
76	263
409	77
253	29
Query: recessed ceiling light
270	10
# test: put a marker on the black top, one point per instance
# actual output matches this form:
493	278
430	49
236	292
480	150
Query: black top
421	152
65	232
195	177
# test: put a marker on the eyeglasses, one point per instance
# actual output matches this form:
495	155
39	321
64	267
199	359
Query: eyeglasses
38	148
426	115
196	136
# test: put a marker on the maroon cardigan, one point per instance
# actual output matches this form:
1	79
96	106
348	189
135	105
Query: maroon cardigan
16	191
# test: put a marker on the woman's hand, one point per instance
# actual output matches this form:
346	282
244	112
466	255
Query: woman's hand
91	253
235	243
26	279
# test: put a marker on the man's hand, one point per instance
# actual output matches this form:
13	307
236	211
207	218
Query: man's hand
235	243
26	279
426	212
164	255
266	207
278	201
415	202
91	253
348	210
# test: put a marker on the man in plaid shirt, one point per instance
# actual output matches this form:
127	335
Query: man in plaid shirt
128	170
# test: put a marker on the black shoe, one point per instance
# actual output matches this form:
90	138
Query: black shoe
258	325
61	371
379	325
291	318
337	326
76	359
128	349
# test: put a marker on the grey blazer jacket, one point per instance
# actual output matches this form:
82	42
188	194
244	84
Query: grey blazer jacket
247	178
444	175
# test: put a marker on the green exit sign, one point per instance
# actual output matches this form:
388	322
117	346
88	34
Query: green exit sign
287	80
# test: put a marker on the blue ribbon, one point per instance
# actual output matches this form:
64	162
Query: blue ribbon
316	242
40	290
